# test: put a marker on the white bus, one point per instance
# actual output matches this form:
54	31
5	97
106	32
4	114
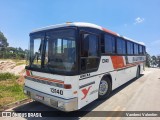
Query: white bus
73	64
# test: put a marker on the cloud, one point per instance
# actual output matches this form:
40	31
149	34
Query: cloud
139	20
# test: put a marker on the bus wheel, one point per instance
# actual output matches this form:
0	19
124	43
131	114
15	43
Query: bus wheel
138	72
104	88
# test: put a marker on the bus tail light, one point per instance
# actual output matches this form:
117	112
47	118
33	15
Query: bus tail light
67	86
28	73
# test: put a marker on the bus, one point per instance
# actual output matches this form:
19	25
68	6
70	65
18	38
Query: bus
72	64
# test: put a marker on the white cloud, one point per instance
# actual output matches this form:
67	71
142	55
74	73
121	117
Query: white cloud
139	20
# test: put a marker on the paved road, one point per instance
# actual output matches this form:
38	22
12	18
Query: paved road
142	94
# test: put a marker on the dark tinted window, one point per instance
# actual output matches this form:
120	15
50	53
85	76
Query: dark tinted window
135	49
144	50
89	52
93	45
89	45
121	46
129	47
140	50
109	44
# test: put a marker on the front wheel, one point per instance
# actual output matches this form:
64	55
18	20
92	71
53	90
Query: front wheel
104	88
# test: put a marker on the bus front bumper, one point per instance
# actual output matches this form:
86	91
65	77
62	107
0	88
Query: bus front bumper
55	102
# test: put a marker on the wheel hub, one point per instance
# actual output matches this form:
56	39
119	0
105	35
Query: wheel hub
103	88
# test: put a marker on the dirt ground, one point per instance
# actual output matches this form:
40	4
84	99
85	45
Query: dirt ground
11	67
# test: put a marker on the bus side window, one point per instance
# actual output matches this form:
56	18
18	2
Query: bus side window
144	50
89	52
121	46
109	44
129	48
140	50
135	49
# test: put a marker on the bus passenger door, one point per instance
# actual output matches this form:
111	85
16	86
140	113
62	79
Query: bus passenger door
89	62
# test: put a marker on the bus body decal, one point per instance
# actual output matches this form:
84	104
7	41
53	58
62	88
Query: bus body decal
85	92
117	62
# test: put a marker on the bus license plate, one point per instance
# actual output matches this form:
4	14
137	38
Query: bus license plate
39	97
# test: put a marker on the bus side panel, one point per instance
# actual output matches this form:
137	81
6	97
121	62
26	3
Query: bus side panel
88	91
108	69
88	87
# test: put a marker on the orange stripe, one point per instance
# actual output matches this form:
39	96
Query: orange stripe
53	80
108	31
46	79
117	62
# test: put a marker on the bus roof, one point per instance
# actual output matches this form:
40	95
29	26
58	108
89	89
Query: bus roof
84	24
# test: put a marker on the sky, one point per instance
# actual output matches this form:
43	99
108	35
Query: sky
139	20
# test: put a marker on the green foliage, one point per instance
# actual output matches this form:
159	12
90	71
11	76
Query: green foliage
152	60
13	53
6	76
148	60
3	40
13	88
10	52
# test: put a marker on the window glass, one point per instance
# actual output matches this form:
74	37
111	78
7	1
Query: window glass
140	50
89	45
129	47
144	50
36	47
121	46
135	49
93	45
109	44
89	52
61	50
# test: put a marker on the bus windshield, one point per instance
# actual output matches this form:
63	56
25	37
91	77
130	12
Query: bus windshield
54	50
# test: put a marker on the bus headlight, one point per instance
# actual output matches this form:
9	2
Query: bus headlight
60	104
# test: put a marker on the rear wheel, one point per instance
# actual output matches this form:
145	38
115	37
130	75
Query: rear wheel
138	72
104	88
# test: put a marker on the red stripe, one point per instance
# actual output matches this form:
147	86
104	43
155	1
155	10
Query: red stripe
28	73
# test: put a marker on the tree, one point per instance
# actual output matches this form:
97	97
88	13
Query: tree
3	40
158	57
148	60
154	60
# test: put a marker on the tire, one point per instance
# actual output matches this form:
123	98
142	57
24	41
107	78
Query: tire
104	88
138	72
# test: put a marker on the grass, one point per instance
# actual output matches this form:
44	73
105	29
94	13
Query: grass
10	90
8	76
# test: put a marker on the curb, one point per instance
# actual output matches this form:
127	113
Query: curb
17	103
